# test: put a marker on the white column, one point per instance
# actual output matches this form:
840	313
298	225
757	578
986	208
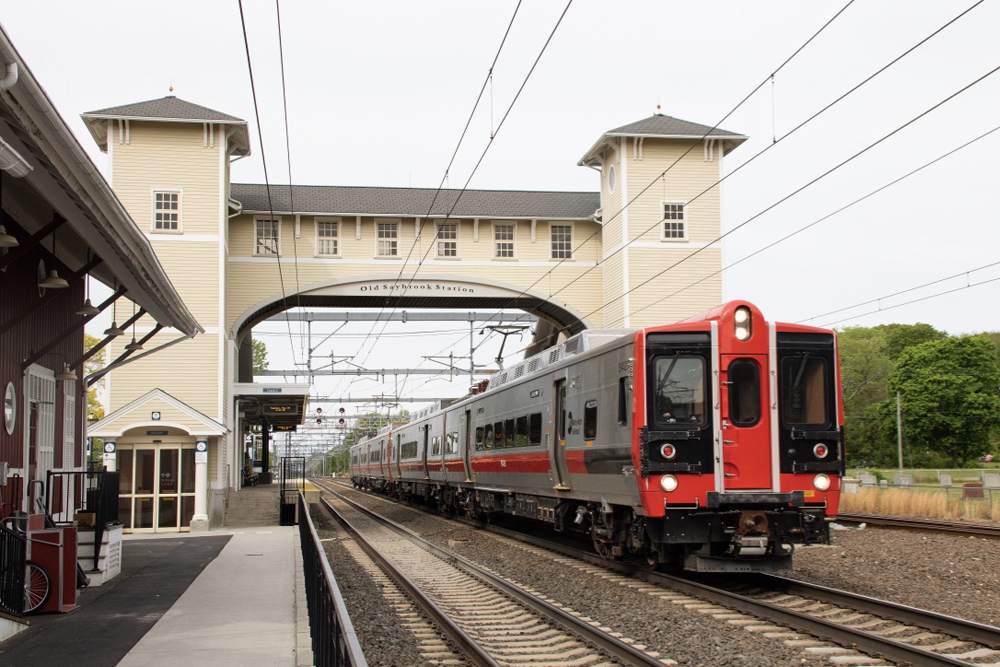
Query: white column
200	519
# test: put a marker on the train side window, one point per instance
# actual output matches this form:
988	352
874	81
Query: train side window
408	450
590	420
508	432
803	391
488	436
623	393
521	439
535	428
452	442
480	443
498	434
436	445
744	392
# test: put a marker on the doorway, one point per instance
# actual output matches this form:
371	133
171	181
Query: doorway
156	487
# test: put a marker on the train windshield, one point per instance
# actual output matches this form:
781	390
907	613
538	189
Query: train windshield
804	391
679	391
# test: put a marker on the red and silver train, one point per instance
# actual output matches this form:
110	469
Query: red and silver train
715	444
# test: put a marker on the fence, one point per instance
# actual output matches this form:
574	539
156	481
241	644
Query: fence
12	566
334	642
293	482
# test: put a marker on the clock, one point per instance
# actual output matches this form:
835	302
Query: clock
109	447
156	416
201	446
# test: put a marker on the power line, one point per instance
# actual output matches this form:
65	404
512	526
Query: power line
263	159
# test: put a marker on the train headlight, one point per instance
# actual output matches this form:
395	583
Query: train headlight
743	323
668	451
821	482
668	483
821	450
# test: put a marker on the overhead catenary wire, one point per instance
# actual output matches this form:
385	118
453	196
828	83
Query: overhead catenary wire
263	160
798	190
818	221
718	182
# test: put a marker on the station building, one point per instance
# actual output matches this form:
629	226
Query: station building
240	253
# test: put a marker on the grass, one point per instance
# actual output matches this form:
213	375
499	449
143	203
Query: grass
922	504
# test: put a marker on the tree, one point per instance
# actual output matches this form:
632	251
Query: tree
898	337
95	409
950	392
259	356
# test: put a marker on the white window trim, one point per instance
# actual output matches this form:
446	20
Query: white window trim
612	178
458	237
572	237
180	209
340	237
687	221
281	224
493	240
399	235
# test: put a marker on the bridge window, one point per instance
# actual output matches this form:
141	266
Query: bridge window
674	222
447	239
267	236
327	238
562	241
503	240
387	239
166	211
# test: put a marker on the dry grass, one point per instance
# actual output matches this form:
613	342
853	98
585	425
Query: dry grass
921	504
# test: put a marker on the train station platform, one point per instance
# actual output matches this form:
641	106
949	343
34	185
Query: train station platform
233	596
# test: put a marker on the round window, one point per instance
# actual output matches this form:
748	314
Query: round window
611	178
10	408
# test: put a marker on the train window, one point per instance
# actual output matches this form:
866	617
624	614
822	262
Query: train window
744	392
679	390
408	450
624	386
535	428
508	431
521	439
436	445
488	436
590	420
452	443
803	381
498	434
480	443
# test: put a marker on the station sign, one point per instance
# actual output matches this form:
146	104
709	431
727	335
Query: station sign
280	409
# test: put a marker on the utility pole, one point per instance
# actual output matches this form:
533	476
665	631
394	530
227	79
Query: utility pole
899	429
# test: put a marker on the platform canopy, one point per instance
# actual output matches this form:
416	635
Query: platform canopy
282	406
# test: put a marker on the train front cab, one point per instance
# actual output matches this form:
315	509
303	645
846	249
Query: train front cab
741	452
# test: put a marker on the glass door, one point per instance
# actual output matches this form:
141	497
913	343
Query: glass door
144	485
167	500
156	488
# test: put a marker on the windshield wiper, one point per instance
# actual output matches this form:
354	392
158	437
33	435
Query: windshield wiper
802	368
670	369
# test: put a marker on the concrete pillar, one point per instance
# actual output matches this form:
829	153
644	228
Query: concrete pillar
200	519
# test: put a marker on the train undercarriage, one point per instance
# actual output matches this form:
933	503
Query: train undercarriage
743	537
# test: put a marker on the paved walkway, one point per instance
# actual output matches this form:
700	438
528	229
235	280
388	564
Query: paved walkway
228	597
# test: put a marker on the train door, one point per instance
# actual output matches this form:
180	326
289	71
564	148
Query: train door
557	437
425	429
746	429
395	454
467	446
382	462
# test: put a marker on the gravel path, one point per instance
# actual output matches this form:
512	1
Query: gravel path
950	574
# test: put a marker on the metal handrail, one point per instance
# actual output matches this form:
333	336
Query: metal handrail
13	555
334	641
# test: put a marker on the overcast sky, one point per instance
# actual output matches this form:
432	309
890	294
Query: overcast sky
378	93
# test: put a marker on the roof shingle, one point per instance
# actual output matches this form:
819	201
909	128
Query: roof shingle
166	107
670	126
416	202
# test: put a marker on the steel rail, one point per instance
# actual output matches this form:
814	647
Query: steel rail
979	633
476	653
923	524
614	647
844	635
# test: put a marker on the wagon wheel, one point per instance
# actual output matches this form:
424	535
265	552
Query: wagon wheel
37	587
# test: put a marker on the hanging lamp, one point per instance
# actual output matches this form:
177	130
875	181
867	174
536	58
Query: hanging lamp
133	346
53	281
88	309
114	330
67	374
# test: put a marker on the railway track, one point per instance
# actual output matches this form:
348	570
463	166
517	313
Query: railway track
878	628
922	524
490	620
